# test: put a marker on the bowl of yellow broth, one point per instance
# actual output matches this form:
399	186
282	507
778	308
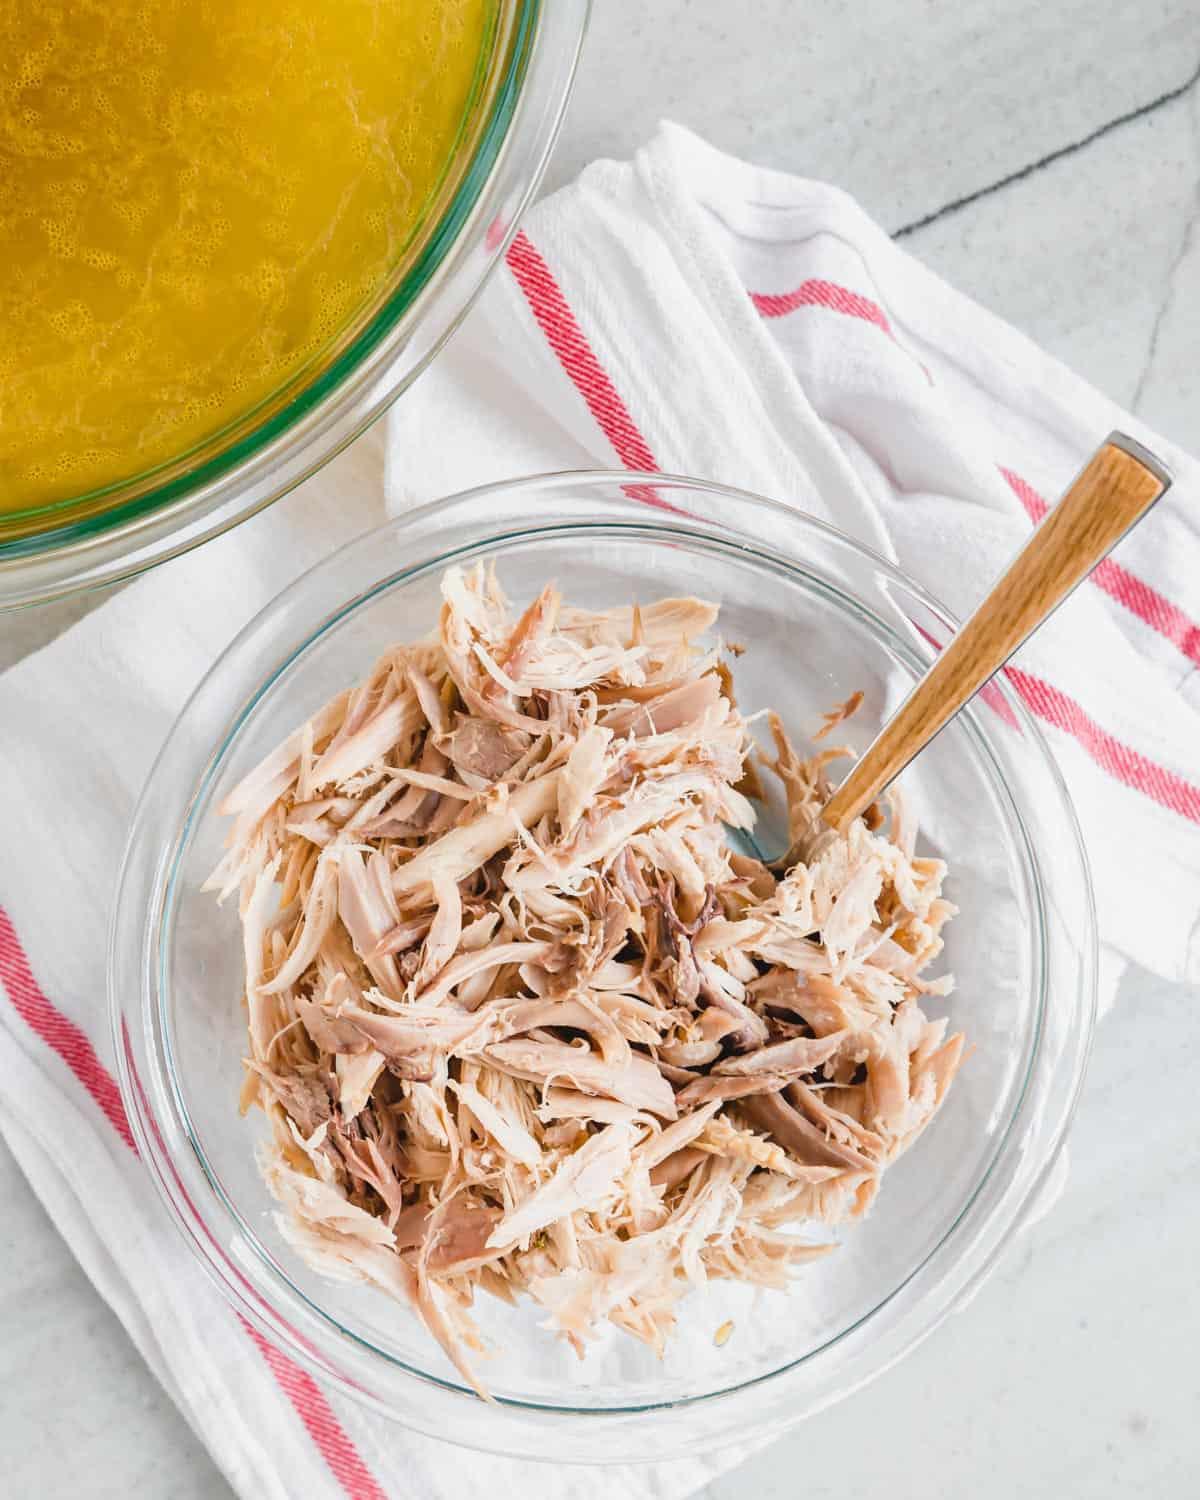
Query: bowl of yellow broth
233	231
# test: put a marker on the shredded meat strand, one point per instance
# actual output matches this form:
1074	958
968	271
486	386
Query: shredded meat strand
523	1021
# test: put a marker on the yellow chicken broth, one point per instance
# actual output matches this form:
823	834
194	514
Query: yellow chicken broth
195	197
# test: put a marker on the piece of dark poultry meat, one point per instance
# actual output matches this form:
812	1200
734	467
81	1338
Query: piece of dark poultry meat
520	1018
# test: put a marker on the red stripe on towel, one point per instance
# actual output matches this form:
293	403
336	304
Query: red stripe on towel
59	1032
817	293
1133	593
578	359
575	354
64	1037
1126	765
318	1417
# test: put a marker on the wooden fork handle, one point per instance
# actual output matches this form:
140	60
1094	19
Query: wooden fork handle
1117	487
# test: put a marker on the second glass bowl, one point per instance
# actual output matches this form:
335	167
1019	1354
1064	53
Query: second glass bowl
819	618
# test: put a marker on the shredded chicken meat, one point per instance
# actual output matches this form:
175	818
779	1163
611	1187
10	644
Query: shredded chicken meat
520	1015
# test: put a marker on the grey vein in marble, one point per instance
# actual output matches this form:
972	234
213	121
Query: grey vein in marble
1058	154
1181	293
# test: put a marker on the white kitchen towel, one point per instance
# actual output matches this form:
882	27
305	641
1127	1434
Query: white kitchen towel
80	725
690	313
684	311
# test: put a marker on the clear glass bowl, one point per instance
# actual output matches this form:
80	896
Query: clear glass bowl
819	617
516	109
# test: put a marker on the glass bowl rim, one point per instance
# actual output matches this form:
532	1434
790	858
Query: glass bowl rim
488	539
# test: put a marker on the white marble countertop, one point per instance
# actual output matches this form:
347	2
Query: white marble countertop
1045	159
